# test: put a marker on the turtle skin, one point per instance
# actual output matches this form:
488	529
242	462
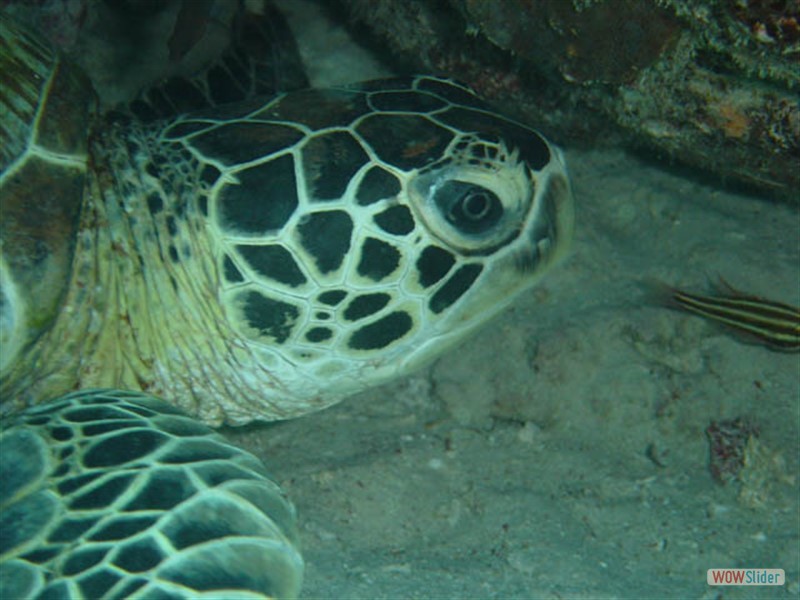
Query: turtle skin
266	259
252	261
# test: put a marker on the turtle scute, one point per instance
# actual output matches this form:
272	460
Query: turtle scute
111	494
43	156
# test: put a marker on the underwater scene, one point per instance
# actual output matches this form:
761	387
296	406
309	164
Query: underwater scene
538	342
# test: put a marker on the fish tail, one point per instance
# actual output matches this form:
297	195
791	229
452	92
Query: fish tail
656	292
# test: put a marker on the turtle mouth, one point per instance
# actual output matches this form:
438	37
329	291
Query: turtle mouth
549	228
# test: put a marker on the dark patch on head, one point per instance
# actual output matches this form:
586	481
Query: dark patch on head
262	201
483	152
453	93
154	204
365	305
396	220
326	236
332	297
271	318
172	226
318	334
382	332
329	163
532	147
455	287
237	143
230	271
377	184
173	254
378	259
405	101
123	448
209	174
433	264
405	141
318	108
274	262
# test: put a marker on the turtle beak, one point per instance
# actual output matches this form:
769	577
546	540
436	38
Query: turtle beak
549	227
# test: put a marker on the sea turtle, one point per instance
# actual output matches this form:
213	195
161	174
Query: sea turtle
247	262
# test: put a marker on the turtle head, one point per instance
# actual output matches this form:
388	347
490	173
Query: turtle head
395	218
498	210
275	256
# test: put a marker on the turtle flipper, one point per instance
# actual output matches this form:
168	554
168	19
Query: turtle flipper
118	494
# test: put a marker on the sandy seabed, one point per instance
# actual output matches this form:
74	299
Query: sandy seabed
561	451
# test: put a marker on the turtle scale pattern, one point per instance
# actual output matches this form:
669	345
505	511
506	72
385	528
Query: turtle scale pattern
272	260
110	494
252	261
37	237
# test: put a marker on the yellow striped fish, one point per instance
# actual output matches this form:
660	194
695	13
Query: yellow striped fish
772	323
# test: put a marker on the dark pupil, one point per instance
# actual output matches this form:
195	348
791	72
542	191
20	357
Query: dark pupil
475	205
468	207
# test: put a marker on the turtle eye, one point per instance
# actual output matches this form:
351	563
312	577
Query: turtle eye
470	208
